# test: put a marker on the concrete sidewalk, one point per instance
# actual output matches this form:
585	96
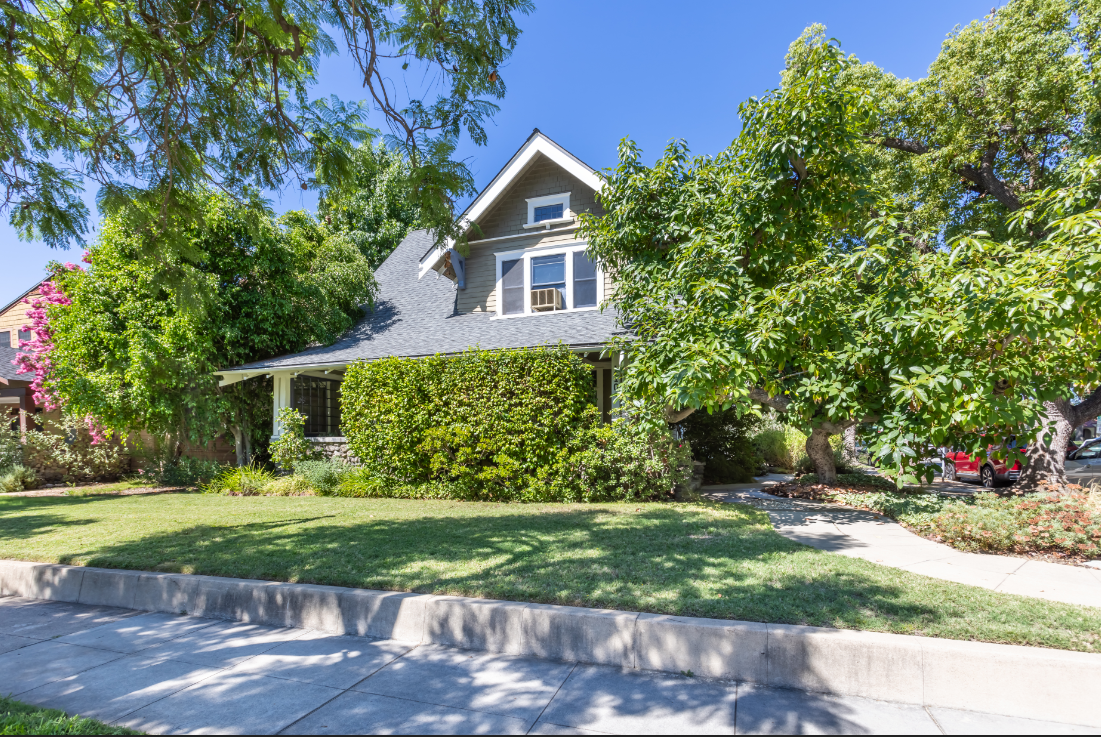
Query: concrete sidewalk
167	674
876	538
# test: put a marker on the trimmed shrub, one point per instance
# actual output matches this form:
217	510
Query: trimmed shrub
491	418
723	442
514	425
782	447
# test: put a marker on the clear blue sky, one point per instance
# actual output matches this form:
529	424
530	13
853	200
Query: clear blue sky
589	72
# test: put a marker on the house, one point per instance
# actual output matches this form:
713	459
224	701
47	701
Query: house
526	281
15	391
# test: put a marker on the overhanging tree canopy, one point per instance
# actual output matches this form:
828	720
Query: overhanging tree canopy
158	100
126	353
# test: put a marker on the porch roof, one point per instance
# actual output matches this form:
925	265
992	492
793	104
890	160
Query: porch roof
416	317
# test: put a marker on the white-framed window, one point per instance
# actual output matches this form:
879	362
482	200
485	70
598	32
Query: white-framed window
523	278
543	212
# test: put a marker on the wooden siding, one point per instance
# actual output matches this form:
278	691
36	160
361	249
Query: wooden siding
507	218
14	318
542	177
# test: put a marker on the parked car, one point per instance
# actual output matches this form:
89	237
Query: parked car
989	473
1086	458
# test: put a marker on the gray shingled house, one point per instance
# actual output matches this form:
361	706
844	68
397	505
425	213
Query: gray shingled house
527	281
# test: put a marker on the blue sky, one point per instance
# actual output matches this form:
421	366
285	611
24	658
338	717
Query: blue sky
589	72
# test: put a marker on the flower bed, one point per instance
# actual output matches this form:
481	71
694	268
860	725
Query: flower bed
1065	527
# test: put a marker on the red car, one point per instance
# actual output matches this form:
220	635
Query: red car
989	472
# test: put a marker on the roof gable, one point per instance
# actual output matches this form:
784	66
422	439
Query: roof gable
537	143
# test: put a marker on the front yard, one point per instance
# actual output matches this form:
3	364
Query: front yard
704	560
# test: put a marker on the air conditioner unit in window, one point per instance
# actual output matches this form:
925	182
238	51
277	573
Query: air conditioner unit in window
545	300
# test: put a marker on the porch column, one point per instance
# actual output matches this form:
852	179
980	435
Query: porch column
281	397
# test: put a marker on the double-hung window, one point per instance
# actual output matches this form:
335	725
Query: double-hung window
549	272
524	279
584	280
512	287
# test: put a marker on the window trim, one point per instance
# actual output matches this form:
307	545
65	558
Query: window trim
562	198
526	255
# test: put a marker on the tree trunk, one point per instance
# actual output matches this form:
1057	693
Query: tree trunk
821	454
239	445
850	443
1048	455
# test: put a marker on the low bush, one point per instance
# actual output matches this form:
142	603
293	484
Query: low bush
782	447
65	449
182	471
240	481
291	485
291	447
905	506
1067	524
11	449
723	442
515	425
17	478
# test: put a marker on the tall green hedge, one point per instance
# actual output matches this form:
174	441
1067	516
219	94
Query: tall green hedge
516	425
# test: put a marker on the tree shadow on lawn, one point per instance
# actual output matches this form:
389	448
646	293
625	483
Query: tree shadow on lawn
667	560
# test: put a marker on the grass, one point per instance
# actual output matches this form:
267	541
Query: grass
705	560
19	718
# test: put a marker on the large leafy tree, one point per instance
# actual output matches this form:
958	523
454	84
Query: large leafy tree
372	207
127	352
756	277
158	101
1012	101
1006	101
697	244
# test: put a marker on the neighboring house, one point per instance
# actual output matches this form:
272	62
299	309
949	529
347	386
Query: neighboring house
527	281
15	392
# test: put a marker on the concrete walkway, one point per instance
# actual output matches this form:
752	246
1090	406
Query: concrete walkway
876	538
169	674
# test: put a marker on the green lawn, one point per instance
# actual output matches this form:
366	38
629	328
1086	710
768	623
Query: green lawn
19	718
705	560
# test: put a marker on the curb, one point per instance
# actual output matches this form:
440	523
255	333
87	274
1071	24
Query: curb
1030	682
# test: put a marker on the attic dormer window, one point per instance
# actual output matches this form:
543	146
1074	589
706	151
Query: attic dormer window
543	212
548	212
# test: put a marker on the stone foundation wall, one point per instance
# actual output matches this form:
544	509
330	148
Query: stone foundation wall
336	449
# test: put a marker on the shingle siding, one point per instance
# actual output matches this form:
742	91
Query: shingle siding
508	217
480	294
543	177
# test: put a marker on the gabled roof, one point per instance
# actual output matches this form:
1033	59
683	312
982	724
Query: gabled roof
537	143
417	317
15	301
8	369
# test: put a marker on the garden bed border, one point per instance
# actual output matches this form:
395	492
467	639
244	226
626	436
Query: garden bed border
1030	682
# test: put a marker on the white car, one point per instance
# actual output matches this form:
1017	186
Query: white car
1084	464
